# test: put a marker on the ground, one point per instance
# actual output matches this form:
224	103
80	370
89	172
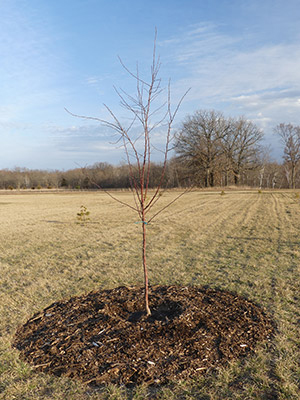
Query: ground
243	242
105	337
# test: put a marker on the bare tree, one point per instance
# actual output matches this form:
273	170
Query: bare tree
290	137
209	142
246	154
136	138
199	142
229	145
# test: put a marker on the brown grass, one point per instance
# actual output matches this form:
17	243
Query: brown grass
245	242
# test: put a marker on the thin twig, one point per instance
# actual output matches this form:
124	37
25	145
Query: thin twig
169	204
110	195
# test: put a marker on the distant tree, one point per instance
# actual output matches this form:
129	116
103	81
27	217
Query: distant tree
63	182
290	137
208	142
199	143
272	173
247	147
86	183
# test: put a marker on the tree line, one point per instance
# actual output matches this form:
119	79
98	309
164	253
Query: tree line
210	150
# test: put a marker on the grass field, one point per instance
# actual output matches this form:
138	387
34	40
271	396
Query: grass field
246	242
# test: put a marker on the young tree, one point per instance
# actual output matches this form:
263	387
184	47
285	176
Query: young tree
136	138
290	137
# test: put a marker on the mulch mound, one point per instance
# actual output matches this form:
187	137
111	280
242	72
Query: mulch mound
105	336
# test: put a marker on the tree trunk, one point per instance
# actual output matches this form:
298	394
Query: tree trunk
293	177
236	178
206	177
211	179
226	177
145	269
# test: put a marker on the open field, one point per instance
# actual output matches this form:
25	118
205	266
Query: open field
246	242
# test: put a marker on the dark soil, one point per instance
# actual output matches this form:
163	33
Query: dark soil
105	337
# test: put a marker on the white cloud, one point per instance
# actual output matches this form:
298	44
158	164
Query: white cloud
226	73
92	80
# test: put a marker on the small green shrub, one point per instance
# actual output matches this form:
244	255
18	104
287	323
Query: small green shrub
83	215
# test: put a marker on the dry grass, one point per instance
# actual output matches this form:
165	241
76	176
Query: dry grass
247	242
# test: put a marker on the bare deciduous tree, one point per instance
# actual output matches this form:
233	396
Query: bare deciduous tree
245	156
199	142
136	138
209	142
290	137
229	145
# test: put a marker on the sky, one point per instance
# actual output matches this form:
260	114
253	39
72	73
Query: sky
239	57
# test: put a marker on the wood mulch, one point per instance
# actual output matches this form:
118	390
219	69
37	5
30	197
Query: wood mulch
105	337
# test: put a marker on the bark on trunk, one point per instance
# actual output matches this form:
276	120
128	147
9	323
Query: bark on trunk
236	178
226	178
145	270
293	179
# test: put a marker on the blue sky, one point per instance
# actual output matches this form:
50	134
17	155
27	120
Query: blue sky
241	57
